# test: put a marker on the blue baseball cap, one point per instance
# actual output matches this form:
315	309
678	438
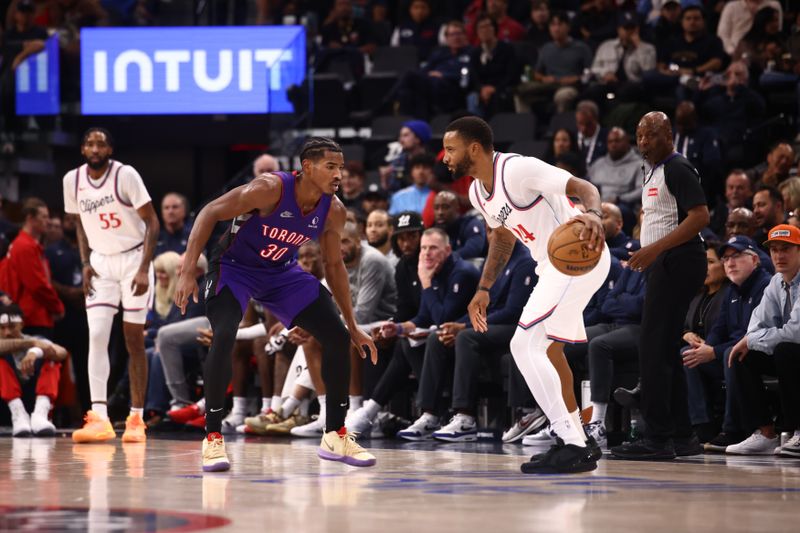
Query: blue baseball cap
740	243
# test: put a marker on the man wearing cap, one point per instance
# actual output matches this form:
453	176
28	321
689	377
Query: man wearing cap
412	139
408	229
705	360
375	197
771	347
413	197
25	360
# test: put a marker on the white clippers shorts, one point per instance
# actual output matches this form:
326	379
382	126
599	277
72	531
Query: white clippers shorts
112	286
557	302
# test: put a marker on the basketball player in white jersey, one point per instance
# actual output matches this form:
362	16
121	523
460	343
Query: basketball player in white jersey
525	198
117	234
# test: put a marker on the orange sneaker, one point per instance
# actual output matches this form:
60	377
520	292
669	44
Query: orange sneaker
95	429
134	429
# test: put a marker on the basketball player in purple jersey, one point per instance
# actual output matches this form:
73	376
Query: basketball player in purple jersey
273	216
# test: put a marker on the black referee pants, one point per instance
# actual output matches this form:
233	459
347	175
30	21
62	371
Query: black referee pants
672	281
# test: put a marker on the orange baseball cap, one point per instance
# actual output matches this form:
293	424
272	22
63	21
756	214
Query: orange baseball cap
784	233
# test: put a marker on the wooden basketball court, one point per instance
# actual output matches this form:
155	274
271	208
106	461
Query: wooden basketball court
280	485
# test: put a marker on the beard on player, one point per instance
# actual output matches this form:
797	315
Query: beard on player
97	162
462	168
379	241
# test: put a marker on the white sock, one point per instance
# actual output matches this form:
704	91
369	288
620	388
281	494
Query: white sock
239	405
288	407
265	404
100	322
356	401
371	408
529	348
576	418
323	406
427	417
101	410
275	403
599	413
137	411
201	405
304	405
16	406
42	405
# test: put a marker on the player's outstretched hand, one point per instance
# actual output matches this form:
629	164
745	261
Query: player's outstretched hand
88	274
187	286
140	283
592	231
477	311
360	340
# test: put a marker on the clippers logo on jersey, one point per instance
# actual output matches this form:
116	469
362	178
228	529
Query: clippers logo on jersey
502	216
90	206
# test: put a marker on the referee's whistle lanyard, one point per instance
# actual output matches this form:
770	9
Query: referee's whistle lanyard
664	161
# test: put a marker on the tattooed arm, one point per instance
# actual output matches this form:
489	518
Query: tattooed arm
501	245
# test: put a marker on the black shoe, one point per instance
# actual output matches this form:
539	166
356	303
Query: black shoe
645	450
597	452
686	446
561	459
629	398
723	440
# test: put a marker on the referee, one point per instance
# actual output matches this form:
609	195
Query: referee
673	257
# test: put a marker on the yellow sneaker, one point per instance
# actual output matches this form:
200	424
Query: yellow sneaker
285	427
258	424
95	429
342	446
134	429
214	457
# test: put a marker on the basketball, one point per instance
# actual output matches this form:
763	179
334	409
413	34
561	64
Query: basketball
568	253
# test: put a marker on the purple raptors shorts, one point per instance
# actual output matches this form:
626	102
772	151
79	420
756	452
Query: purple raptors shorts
284	292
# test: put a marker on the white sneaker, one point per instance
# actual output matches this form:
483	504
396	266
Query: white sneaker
21	423
598	431
461	428
544	437
755	444
230	422
422	429
214	457
357	422
342	446
791	448
41	426
526	425
313	429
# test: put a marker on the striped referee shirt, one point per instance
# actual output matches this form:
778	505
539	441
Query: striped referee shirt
670	189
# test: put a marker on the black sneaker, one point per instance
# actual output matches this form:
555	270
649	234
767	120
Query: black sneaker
645	450
686	446
629	398
597	452
561	459
722	441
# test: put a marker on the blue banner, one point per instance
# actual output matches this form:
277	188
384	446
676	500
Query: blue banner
167	71
37	82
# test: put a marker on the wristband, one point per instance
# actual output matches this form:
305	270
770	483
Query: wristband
37	352
87	263
400	329
595	212
482	288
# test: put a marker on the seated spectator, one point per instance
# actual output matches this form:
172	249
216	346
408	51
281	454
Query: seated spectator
375	197
264	164
25	361
591	135
731	108
379	234
738	193
351	191
25	273
345	38
700	146
596	22
413	137
620	245
494	69
440	86
418	29
737	18
467	233
770	347
563	141
618	173
752	49
692	54
408	230
507	28
776	168
572	163
448	283
768	211
790	190
705	358
558	69
413	197
742	222
174	232
165	266
373	289
592	313
666	23
537	31
619	62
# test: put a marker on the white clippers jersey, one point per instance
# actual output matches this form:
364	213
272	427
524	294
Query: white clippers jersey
107	206
528	197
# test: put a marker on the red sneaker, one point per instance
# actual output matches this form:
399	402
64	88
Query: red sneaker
185	414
